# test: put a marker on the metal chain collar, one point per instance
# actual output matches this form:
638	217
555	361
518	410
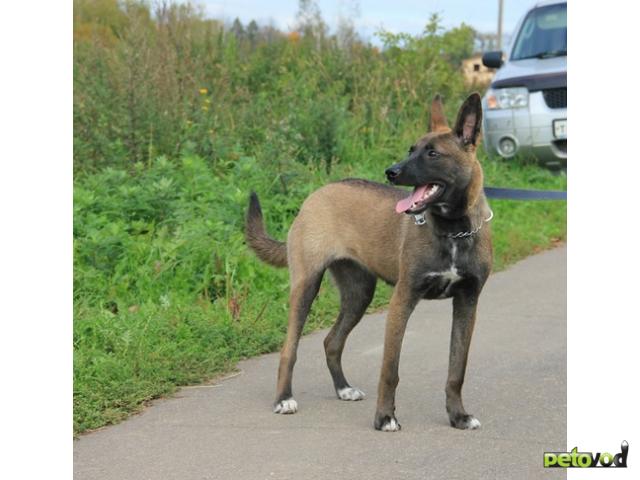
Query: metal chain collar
419	220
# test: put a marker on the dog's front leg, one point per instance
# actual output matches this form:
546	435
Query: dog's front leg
402	303
464	317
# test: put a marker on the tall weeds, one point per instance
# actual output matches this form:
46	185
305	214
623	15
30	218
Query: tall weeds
167	81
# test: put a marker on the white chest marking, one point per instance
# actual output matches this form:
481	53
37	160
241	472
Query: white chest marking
452	274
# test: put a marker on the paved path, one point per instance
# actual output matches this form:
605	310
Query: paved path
516	386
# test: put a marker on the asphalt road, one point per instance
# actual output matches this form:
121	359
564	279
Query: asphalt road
516	386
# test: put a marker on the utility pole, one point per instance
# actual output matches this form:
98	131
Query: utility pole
500	6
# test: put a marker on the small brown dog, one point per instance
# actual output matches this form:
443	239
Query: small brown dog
433	243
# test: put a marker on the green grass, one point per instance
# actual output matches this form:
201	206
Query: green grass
167	294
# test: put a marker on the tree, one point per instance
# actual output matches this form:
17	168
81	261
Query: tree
309	22
237	29
252	33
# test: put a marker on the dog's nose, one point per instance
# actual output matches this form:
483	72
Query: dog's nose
392	173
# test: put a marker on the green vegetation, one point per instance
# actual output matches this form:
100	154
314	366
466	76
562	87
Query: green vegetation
176	120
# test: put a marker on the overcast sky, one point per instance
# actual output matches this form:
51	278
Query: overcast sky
369	15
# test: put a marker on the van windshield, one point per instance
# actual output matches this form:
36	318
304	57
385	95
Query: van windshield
543	34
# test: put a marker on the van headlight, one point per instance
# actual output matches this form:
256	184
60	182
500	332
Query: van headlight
500	98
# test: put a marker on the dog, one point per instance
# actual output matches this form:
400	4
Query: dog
434	243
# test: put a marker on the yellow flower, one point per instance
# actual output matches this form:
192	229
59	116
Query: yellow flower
203	91
294	37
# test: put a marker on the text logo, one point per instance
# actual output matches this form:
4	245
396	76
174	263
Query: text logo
578	459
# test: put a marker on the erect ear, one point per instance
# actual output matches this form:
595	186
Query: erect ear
438	121
469	120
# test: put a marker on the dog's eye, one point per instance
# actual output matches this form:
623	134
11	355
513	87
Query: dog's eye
432	153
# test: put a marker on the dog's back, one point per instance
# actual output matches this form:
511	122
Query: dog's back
350	219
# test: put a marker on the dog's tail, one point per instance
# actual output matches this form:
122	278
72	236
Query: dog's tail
268	249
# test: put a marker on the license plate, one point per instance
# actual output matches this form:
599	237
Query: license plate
560	128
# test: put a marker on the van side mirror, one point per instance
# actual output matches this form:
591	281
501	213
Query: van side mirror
492	59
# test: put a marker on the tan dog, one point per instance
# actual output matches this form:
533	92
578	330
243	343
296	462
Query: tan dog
434	243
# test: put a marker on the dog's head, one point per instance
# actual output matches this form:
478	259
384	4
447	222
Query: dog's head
442	166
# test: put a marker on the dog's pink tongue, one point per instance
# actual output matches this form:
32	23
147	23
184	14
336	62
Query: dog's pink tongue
406	203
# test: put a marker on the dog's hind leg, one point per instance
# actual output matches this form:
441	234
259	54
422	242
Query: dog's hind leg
464	317
357	287
303	291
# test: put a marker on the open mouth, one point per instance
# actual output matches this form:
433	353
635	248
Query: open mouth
420	198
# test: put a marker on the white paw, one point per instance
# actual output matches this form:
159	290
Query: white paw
466	422
391	426
473	423
350	393
286	406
